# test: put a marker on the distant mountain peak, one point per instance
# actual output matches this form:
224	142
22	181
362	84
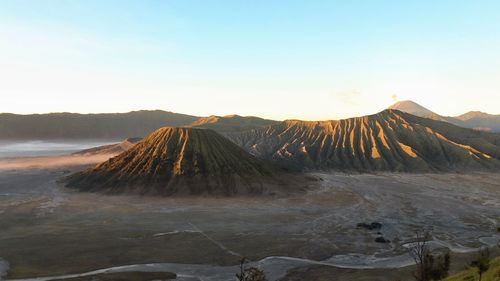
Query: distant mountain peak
473	119
412	107
475	114
416	109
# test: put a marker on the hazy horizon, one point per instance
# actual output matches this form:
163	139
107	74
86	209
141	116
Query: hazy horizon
312	61
197	115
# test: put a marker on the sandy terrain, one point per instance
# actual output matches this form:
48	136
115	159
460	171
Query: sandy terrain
49	230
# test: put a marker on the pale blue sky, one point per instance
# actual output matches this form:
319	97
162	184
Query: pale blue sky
275	59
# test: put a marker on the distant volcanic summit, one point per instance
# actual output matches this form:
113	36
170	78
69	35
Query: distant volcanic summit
184	161
473	119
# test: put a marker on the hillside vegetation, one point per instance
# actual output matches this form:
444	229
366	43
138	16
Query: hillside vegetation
493	273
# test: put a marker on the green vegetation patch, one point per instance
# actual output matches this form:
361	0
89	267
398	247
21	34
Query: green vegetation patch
493	273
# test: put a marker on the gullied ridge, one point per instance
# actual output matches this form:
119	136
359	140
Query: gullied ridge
178	161
390	140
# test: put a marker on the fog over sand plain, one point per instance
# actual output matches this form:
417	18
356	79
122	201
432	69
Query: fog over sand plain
49	230
34	148
48	154
44	162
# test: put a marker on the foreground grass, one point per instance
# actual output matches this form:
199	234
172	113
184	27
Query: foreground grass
493	274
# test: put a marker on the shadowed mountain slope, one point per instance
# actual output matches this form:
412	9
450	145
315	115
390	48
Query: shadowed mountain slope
88	126
231	123
110	149
114	126
474	119
390	140
178	161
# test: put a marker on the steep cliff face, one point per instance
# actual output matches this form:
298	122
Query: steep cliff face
178	161
390	140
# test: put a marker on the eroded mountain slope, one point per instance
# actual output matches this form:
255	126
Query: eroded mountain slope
178	161
390	140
